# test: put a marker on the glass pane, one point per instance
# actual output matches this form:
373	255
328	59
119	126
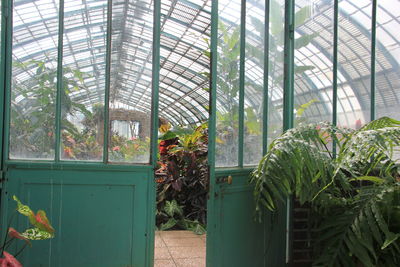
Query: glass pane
313	61
131	77
388	59
354	63
33	86
228	83
275	69
254	81
84	64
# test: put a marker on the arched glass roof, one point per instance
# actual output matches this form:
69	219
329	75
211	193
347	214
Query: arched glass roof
314	59
185	28
185	24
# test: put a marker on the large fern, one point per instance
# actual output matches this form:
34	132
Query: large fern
354	194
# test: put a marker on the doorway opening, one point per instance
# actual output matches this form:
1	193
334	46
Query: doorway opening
182	166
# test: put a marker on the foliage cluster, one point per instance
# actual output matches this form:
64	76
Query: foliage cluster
182	179
41	230
33	118
354	193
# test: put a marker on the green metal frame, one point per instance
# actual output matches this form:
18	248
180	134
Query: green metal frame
288	104
266	80
59	79
211	249
335	62
107	89
373	60
241	81
3	19
6	80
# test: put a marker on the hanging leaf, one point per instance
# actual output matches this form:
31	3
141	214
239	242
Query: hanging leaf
258	25
300	110
276	18
302	15
304	40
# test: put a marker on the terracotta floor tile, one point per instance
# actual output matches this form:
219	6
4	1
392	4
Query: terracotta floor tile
158	242
184	242
187	252
179	248
164	263
162	254
194	262
176	234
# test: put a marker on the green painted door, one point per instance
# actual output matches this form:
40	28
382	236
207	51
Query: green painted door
101	217
235	238
245	116
78	143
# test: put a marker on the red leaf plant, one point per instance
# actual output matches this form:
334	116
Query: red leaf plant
9	260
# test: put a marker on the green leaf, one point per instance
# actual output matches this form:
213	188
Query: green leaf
169	224
198	229
258	25
304	40
36	234
368	178
302	15
300	110
167	136
276	18
172	208
390	239
23	209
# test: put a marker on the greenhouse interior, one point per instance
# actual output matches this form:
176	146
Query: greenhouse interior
223	133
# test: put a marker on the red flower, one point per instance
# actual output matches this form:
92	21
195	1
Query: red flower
116	148
9	261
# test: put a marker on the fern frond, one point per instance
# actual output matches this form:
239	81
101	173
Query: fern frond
358	231
380	123
305	150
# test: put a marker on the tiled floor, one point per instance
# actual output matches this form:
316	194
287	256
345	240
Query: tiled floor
179	249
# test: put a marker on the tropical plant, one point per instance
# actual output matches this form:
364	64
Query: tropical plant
182	177
173	216
32	118
353	192
41	230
